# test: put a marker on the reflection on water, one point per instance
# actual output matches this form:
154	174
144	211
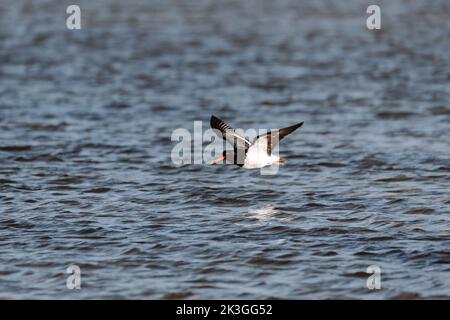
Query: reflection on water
264	213
86	178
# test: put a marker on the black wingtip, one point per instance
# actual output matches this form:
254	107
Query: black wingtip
214	119
296	126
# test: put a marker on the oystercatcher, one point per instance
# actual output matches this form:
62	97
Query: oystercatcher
246	154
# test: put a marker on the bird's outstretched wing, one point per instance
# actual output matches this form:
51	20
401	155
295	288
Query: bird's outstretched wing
229	134
269	140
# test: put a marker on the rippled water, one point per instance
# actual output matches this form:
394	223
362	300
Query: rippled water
86	178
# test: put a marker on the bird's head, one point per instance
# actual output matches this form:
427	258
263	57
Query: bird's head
224	156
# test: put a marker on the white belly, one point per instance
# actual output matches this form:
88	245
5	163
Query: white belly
259	159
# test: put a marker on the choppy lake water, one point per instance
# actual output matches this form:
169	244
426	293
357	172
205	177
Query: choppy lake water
85	170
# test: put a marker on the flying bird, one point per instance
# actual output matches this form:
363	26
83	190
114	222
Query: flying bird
246	154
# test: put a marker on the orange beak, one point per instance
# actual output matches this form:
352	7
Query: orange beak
219	159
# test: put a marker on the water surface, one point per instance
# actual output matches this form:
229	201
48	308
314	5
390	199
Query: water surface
86	177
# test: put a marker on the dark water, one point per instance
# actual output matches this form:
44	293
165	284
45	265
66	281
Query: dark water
86	177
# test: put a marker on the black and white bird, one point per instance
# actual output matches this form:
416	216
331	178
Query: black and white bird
250	155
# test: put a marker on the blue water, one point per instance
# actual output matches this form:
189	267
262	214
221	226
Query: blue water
86	176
